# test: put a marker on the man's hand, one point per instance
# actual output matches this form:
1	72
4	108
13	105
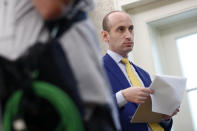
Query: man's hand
50	9
166	117
136	94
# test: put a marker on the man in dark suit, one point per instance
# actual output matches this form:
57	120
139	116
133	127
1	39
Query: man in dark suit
118	33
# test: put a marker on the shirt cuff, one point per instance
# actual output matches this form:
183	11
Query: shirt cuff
120	99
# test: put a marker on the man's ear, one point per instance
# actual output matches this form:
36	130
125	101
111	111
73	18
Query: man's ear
105	36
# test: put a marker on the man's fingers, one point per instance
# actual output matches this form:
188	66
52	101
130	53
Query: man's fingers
147	90
141	100
143	94
176	111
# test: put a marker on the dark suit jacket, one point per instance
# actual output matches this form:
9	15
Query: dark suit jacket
119	82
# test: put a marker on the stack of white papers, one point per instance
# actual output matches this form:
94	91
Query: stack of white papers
168	93
167	97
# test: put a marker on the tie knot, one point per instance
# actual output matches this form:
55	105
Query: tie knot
125	61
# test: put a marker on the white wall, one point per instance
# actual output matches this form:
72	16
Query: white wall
157	55
102	8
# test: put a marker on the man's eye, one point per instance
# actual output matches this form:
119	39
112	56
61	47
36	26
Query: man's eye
121	29
131	28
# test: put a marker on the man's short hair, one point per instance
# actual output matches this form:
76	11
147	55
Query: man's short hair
105	23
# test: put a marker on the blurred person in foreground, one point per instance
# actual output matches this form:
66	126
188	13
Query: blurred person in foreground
24	24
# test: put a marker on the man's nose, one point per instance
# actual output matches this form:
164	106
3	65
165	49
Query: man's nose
128	35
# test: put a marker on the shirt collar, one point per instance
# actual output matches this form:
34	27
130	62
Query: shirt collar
115	56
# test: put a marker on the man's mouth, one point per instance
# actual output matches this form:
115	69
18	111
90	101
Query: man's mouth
128	44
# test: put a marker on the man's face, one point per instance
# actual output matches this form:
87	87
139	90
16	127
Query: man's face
120	35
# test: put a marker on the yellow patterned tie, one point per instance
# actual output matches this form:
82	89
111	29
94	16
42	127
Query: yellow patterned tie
135	82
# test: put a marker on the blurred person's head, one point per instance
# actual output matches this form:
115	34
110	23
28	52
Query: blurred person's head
118	32
51	9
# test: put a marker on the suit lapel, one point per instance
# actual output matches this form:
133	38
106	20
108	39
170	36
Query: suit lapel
116	71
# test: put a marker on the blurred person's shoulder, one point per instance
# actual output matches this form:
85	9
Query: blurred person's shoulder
87	5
